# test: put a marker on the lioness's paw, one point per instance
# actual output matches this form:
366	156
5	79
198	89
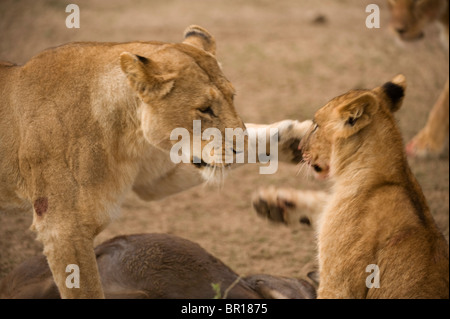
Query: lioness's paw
278	206
423	146
290	133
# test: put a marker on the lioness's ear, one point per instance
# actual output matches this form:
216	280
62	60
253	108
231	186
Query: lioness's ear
145	77
200	38
393	92
356	114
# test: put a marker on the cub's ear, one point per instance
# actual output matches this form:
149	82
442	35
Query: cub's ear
145	77
200	38
393	92
356	114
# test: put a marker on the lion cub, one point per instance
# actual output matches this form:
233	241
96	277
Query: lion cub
377	213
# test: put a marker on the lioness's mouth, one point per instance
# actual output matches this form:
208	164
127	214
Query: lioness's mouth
200	163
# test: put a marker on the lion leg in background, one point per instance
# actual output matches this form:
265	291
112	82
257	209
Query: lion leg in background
431	140
290	206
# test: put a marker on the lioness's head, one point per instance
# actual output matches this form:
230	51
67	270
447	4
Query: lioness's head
350	121
177	85
409	17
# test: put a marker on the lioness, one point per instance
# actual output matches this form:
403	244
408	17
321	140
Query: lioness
376	213
408	19
83	123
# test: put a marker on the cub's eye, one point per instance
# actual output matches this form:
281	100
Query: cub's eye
316	126
207	110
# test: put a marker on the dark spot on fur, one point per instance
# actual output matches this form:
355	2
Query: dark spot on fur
394	92
278	137
289	204
292	146
208	110
144	60
199	162
276	214
320	20
40	205
262	207
351	121
195	33
237	152
305	221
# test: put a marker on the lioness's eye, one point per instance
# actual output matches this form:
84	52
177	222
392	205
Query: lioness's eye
316	126
207	110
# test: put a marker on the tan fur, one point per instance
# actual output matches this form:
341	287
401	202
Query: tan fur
83	123
376	212
290	206
409	19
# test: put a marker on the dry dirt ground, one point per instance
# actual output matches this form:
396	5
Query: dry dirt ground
286	59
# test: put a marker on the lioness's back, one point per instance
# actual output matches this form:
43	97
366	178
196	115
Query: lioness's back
7	69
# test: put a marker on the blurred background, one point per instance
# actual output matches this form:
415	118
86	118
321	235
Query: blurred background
286	59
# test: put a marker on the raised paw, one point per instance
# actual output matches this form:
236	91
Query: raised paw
278	206
290	134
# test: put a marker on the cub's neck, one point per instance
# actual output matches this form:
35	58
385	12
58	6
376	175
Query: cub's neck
375	160
371	157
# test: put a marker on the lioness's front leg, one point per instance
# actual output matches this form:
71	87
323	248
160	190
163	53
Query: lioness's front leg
290	206
431	140
67	235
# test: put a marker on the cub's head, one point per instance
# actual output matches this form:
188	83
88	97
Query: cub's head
178	84
350	123
409	17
